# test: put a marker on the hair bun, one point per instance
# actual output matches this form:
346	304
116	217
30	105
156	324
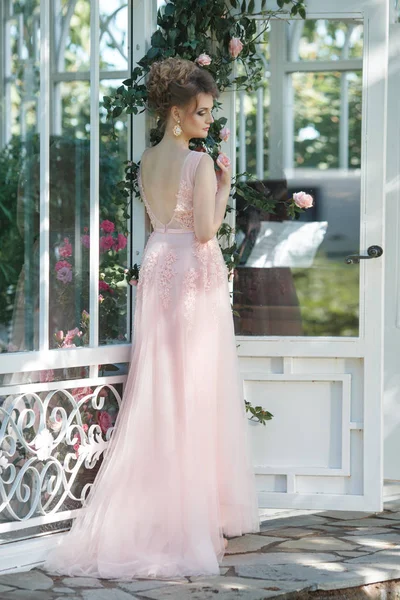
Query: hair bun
175	81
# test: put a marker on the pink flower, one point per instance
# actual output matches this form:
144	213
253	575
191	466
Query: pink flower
85	239
47	375
79	393
223	159
86	229
65	275
59	336
120	243
65	250
62	264
107	226
71	334
85	315
104	420
85	427
235	47
106	242
203	60
303	200
133	282
104	287
101	298
224	134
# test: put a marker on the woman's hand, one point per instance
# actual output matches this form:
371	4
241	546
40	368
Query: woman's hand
224	175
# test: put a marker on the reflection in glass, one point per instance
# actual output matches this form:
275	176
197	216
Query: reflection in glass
19	156
291	278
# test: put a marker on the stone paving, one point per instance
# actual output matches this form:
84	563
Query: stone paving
297	554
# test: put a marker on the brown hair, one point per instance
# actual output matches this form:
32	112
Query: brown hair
175	82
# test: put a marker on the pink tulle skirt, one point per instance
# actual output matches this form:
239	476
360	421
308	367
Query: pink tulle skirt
177	473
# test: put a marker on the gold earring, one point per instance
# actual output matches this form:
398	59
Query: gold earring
177	130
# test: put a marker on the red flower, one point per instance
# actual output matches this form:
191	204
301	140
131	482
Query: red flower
106	242
107	226
104	420
120	243
104	286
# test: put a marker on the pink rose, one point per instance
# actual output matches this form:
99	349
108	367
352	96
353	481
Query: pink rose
203	60
235	47
66	249
71	334
224	134
62	264
120	243
106	242
64	274
104	420
107	226
101	298
223	159
85	427
85	239
303	200
104	287
133	282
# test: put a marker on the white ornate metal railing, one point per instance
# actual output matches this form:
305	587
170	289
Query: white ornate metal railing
53	436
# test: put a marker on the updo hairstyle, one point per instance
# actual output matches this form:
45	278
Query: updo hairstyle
175	82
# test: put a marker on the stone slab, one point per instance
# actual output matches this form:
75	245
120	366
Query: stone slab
29	595
392	515
82	582
368	530
106	594
290	532
63	590
380	541
250	543
368	522
279	558
6	588
139	586
223	588
320	543
344	515
293	521
385	559
27	580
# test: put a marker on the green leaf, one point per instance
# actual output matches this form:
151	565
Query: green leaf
169	10
280	3
234	3
302	12
251	6
127	82
158	40
117	111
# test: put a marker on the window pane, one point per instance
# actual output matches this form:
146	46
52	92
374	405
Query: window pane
292	278
114	35
19	166
325	40
114	214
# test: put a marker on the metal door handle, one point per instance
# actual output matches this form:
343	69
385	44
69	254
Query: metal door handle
373	252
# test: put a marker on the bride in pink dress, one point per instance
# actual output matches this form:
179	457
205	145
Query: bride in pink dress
176	479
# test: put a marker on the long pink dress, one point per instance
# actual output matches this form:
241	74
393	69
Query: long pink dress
177	473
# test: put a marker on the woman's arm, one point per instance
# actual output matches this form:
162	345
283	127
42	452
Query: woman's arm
209	207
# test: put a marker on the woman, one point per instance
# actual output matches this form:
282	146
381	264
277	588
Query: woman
176	477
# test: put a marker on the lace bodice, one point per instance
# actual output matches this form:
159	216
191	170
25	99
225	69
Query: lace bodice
182	217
